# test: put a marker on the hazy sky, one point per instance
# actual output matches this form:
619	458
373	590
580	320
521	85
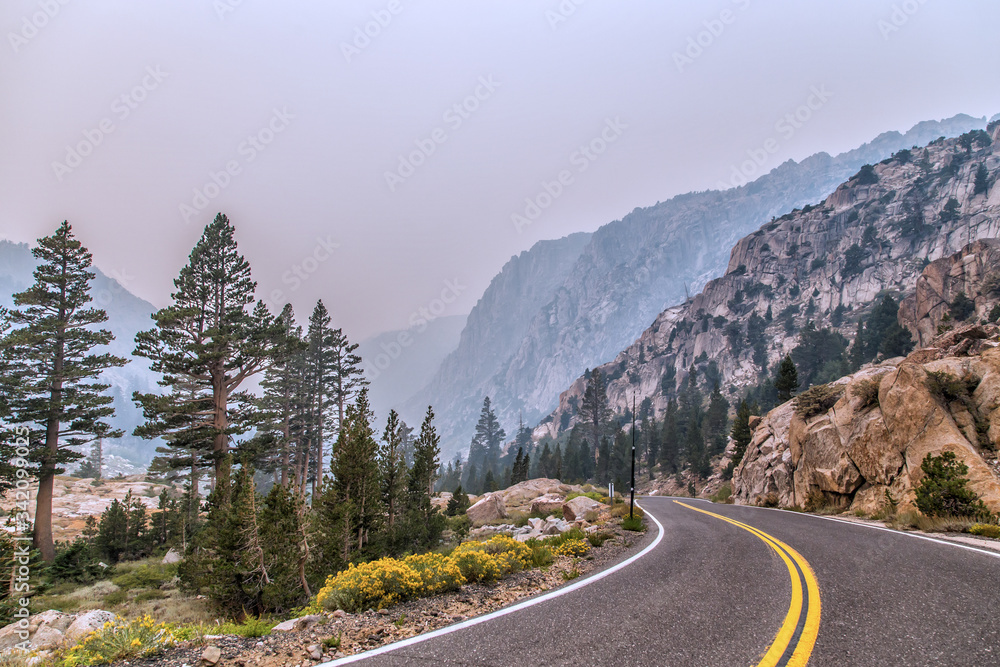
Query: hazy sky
113	114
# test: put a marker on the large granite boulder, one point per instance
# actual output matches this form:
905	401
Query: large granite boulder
488	509
86	623
547	504
578	507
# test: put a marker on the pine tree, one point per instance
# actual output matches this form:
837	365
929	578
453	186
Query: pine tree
594	410
325	394
206	345
59	396
981	185
857	353
741	433
604	469
392	470
349	377
282	527
487	440
11	373
787	380
515	471
652	437
458	503
425	523
716	421
670	440
356	486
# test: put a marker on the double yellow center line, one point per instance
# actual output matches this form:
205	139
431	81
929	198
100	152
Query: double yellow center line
794	642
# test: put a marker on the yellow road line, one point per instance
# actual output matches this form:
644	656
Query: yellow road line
807	639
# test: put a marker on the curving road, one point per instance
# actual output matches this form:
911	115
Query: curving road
728	585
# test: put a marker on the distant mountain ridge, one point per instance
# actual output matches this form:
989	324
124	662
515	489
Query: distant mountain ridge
127	315
873	234
528	339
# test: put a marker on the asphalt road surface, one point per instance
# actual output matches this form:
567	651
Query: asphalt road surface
730	585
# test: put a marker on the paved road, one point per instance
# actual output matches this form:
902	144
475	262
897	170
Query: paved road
746	586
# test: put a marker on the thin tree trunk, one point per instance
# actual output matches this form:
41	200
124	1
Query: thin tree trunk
220	444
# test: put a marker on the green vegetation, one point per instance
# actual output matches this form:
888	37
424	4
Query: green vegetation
817	400
787	379
866	391
634	524
723	495
866	176
986	530
944	489
120	640
961	307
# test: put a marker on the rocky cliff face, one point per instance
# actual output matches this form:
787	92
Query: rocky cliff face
824	263
974	272
864	452
525	342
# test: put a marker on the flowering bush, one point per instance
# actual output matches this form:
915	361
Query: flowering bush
513	556
380	583
120	639
475	564
573	548
438	574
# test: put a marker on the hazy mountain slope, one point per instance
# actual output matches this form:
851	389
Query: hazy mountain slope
630	270
398	363
493	331
801	259
127	315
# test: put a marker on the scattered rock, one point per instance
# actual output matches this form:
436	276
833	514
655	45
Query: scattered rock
172	556
315	652
211	655
298	624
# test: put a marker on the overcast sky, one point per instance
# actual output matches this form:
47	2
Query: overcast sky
113	114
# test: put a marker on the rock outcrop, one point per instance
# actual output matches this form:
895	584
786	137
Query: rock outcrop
48	631
864	453
974	272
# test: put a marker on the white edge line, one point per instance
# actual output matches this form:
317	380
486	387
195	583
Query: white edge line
918	536
500	612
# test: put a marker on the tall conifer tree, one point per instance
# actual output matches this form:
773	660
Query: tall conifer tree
59	398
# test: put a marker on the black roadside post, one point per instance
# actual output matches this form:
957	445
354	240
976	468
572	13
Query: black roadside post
631	507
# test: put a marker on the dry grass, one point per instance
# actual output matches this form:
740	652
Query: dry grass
931	524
